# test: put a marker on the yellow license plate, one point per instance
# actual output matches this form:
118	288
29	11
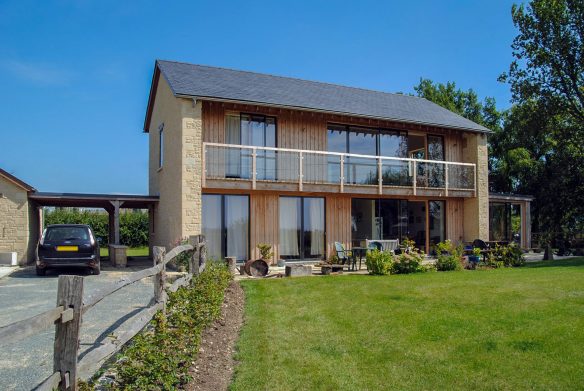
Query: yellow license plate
67	248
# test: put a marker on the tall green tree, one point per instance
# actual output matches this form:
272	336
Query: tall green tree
549	55
547	85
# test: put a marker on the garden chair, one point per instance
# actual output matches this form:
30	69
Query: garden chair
345	257
485	250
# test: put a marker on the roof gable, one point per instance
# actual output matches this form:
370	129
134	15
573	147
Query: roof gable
16	181
248	87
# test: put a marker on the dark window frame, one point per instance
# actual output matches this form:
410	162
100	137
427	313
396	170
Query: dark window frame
302	247
224	227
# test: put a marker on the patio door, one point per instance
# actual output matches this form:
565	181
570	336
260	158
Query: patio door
302	228
226	225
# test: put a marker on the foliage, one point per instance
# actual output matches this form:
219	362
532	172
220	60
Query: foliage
181	261
449	256
161	355
266	252
333	259
134	224
540	152
507	256
379	262
476	251
549	54
410	262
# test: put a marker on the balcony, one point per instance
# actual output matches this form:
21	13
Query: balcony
229	166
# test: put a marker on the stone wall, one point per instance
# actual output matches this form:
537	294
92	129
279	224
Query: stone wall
15	221
178	181
476	210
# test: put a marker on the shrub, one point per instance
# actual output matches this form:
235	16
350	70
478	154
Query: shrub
407	263
508	256
265	251
134	224
161	355
379	263
449	256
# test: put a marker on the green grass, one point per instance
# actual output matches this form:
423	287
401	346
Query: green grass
506	329
132	252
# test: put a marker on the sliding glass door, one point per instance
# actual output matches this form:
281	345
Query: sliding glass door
387	219
226	225
302	228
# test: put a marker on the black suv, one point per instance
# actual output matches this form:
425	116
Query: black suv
67	245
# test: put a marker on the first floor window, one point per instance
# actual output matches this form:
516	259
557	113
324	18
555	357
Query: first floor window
302	228
226	225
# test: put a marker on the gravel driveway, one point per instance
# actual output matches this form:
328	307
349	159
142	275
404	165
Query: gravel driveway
25	363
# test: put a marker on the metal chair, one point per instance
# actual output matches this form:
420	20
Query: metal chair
345	256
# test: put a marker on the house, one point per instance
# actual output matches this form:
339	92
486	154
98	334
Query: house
18	221
248	158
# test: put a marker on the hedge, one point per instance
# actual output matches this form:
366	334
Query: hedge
133	224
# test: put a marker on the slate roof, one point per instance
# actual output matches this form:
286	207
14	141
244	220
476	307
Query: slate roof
227	84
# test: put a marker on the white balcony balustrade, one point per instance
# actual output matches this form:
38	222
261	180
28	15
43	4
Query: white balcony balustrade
343	171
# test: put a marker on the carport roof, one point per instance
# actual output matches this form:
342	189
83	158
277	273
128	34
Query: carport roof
81	200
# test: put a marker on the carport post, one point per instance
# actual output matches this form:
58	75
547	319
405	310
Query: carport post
116	225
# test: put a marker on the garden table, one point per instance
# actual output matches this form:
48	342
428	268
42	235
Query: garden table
360	252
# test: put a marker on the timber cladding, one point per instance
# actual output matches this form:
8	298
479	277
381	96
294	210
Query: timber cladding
308	130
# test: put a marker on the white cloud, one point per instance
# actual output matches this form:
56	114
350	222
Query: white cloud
37	73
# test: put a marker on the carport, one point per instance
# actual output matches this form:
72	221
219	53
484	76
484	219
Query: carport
112	203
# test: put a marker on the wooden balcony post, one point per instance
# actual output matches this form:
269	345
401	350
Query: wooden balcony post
204	165
342	174
414	176
380	175
300	170
446	165
253	168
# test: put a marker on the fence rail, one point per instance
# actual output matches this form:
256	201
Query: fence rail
68	367
266	164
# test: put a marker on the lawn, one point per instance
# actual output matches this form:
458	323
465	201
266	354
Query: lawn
504	329
132	251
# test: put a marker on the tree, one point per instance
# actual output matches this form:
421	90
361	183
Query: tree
549	55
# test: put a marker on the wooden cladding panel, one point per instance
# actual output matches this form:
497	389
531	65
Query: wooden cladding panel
307	130
338	222
454	219
453	147
264	223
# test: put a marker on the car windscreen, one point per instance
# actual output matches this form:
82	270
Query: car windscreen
67	233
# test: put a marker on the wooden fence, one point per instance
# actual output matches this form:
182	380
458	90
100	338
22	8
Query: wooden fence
71	306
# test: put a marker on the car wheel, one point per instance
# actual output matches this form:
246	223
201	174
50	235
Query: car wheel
41	272
96	270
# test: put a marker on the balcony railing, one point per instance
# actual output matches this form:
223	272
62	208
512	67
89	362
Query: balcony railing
281	165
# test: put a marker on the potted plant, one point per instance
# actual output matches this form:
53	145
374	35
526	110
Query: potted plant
266	253
475	257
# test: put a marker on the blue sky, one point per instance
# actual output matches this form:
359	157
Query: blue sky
75	75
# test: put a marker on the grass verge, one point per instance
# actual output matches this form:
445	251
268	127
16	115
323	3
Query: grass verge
508	329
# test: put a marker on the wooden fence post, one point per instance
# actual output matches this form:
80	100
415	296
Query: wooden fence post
199	257
230	261
159	278
69	295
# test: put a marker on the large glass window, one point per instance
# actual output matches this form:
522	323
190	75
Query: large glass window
337	141
435	170
417	223
302	228
251	130
378	219
361	170
226	225
437	223
505	222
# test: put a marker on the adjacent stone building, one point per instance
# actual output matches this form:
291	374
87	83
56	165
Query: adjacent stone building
18	220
